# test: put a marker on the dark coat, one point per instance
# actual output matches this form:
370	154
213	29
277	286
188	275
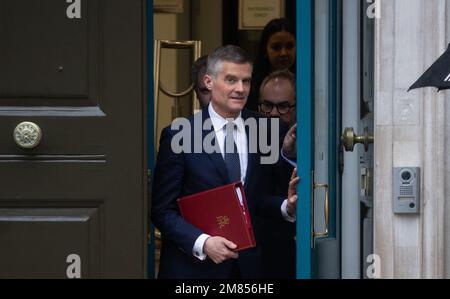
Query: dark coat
178	175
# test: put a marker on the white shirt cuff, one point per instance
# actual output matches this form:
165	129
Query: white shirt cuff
285	213
197	251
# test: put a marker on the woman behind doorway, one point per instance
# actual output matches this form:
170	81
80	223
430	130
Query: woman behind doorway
276	51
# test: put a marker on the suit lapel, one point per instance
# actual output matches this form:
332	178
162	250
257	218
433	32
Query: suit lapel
216	157
251	157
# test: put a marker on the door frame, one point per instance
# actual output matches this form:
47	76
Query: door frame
305	100
150	138
305	132
306	256
351	235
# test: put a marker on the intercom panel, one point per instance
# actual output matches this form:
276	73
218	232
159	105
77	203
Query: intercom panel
407	190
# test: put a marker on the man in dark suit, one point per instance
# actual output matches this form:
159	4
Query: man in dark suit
186	251
198	71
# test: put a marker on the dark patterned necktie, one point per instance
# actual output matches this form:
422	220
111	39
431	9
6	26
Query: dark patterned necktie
231	155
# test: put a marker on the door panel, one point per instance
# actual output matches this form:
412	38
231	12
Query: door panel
31	236
358	107
53	62
326	254
21	72
305	96
366	169
83	189
318	91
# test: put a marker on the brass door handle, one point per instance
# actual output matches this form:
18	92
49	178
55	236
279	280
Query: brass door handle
27	135
326	232
349	139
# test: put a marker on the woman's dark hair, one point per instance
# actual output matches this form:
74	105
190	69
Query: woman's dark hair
262	66
274	26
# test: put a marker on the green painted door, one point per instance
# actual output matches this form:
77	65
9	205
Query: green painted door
318	102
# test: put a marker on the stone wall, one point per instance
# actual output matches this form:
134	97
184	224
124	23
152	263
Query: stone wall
410	130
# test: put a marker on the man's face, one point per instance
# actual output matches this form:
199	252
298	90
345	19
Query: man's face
278	92
230	88
202	92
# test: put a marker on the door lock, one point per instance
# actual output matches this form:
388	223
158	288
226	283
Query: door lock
349	139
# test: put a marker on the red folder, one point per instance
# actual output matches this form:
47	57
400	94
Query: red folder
218	212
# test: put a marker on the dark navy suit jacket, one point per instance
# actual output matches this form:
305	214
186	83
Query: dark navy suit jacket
178	175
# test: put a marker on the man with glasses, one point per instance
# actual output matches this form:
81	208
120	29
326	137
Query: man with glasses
277	96
277	99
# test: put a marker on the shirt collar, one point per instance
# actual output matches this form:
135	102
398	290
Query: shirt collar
219	122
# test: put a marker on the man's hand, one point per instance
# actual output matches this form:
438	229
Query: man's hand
219	249
289	143
292	194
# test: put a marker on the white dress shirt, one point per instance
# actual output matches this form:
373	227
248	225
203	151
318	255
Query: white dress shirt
240	138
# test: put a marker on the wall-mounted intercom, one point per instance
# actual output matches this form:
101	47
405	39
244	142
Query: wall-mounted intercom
407	190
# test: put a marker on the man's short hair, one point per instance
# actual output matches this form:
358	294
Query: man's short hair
283	74
197	67
229	53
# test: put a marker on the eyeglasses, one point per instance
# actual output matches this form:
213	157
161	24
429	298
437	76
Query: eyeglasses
282	108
